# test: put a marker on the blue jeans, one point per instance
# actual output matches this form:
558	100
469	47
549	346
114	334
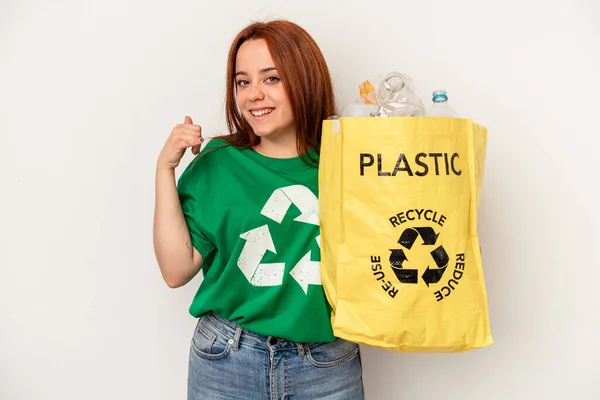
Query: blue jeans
228	362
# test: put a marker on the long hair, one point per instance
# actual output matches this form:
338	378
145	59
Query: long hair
305	78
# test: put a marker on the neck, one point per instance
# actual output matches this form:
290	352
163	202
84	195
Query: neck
281	148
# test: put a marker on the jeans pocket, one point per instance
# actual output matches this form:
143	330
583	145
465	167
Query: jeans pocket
331	354
208	342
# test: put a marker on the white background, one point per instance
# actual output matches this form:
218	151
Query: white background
89	92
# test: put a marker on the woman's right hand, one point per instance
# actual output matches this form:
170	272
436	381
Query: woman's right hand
182	136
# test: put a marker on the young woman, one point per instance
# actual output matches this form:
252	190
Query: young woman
245	212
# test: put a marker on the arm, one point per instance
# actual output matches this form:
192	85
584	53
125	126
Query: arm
177	259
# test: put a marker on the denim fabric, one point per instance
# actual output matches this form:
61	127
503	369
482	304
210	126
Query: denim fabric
228	362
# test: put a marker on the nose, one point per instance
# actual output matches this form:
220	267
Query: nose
255	93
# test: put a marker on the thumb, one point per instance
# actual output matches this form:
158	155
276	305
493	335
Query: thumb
187	120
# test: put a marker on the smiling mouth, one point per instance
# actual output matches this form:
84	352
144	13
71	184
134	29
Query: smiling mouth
262	112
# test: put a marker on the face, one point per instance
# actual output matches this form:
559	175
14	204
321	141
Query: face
260	95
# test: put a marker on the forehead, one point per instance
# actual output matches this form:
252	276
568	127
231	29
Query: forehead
253	55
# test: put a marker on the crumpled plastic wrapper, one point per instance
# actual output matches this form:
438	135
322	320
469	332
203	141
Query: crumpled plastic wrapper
395	96
367	92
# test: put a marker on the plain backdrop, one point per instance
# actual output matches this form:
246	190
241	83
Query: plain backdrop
90	90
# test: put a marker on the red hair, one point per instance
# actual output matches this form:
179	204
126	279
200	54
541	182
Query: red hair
305	78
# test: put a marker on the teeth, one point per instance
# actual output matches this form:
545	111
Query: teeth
261	112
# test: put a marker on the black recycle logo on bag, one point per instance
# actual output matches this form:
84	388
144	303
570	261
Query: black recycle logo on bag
428	258
407	240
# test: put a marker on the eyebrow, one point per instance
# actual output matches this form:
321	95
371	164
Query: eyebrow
262	71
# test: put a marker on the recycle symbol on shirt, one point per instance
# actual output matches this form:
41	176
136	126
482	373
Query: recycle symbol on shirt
259	241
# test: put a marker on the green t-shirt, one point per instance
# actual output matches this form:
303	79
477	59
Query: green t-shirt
255	220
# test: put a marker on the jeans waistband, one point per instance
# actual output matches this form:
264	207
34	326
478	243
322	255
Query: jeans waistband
236	334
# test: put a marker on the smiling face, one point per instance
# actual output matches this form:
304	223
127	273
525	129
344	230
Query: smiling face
260	95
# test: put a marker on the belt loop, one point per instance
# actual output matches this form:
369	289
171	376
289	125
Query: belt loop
236	338
301	350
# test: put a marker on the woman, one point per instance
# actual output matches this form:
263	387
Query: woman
245	211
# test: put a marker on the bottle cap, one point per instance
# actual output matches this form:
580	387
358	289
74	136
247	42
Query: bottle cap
440	95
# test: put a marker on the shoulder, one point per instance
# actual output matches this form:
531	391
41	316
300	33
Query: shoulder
210	152
204	161
214	143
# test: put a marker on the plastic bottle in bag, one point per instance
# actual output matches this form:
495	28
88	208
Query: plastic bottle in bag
440	107
396	97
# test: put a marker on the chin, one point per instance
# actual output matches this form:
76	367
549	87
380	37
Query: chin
263	132
267	131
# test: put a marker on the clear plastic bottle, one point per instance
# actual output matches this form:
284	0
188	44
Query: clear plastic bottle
440	107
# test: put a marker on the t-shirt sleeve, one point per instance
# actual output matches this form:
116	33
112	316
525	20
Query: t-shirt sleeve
189	189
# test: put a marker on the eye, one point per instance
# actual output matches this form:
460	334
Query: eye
273	79
242	82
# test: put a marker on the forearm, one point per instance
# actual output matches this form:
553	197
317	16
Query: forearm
177	259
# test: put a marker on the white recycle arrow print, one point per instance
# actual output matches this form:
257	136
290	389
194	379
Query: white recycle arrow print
307	272
281	199
258	241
